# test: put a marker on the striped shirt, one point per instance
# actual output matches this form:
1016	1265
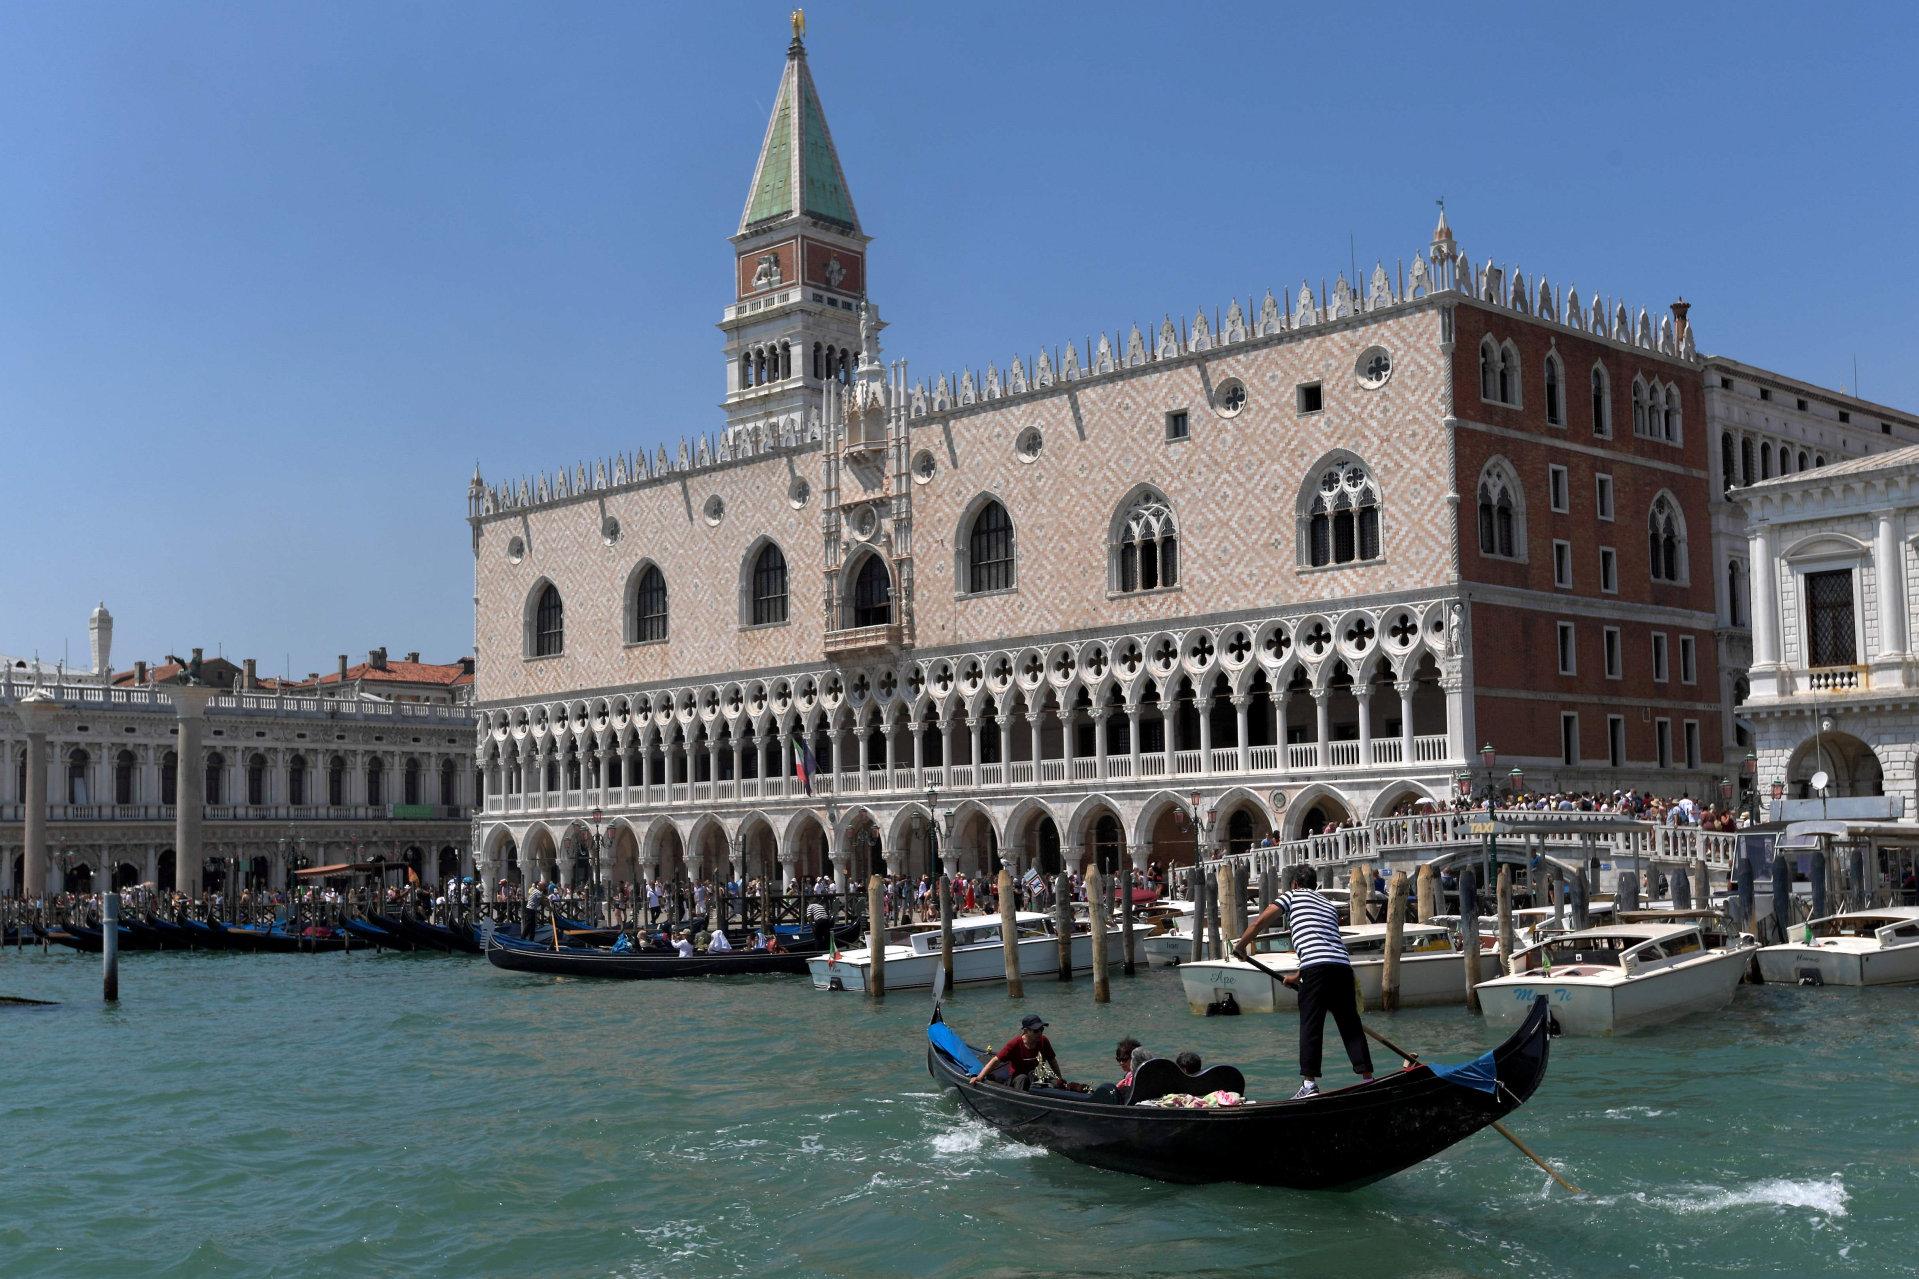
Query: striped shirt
1314	926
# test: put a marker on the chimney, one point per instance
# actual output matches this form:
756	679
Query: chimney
1680	324
376	658
250	677
413	657
343	668
139	673
198	656
466	666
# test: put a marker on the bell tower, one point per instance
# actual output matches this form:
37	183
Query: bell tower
799	268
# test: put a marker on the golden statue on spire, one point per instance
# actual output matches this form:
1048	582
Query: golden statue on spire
799	23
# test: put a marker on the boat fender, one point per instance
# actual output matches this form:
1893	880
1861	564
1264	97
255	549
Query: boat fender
834	983
1224	1006
1810	977
1553	1030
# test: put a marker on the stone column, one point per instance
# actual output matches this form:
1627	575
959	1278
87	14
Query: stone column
972	736
1098	715
1239	721
190	791
1132	735
1006	741
1169	717
1364	696
918	730
1889	579
1323	721
1204	709
789	874
1034	718
1406	688
37	711
1065	716
1763	573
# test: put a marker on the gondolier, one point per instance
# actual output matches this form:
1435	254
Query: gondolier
1324	979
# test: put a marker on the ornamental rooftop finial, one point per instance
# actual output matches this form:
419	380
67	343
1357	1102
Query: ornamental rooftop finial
799	27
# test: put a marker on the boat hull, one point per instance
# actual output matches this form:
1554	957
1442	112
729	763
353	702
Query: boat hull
979	965
1339	1140
1599	1007
1425	980
519	956
1841	966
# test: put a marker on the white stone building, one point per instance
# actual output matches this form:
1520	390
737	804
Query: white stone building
280	776
1834	682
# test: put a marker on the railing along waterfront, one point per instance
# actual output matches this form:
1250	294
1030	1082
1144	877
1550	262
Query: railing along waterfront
247	812
1577	834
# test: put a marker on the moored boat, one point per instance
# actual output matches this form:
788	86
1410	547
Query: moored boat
519	955
978	958
1603	981
1431	972
1339	1140
1853	948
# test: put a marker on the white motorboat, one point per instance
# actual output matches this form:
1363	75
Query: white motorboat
1431	971
1531	923
977	956
1854	948
1602	981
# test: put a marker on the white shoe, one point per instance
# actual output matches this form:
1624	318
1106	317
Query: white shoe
1306	1089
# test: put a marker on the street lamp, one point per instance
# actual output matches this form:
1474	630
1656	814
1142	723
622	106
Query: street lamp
1518	780
1489	757
1749	771
933	828
599	844
1725	791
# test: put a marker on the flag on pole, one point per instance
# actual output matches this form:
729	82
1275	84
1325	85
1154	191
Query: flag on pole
832	948
804	765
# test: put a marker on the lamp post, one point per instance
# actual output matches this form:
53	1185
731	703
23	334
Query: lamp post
599	843
1489	794
1749	772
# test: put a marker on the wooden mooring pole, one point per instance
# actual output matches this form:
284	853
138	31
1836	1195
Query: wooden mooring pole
1097	915
1063	923
1505	920
1009	935
1395	941
110	947
1126	920
1469	934
875	937
1428	893
946	929
1197	951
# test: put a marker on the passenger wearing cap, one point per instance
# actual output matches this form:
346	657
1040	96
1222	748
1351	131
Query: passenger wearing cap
1023	1053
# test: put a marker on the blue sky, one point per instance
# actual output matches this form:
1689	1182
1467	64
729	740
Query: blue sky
276	276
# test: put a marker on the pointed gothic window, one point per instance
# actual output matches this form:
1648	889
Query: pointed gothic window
647	614
1555	391
769	586
989	550
1488	369
1508	374
1501	512
872	594
1666	541
1639	408
1146	546
1601	402
1342	516
549	623
1672	415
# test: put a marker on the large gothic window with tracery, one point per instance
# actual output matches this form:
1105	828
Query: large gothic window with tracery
989	550
1148	545
1342	517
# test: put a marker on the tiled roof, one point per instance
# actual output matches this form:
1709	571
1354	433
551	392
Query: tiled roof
400	671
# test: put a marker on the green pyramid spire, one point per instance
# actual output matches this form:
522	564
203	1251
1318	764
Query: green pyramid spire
799	170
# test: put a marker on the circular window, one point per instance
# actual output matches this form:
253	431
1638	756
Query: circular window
924	466
1229	397
866	522
516	549
609	530
715	509
1373	367
1029	444
798	492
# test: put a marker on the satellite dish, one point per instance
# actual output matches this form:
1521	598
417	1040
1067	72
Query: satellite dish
1820	780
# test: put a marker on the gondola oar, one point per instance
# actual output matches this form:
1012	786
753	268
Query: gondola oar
1412	1059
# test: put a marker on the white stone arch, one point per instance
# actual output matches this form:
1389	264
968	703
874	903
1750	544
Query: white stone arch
1329	799
1392	793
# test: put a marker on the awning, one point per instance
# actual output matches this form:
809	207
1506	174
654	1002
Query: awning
348	868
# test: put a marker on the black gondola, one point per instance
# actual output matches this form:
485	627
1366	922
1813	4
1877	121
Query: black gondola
1340	1140
522	956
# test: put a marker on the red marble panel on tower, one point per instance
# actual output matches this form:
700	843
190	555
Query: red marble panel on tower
839	269
764	269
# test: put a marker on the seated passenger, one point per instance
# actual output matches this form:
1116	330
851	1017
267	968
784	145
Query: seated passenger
682	946
1188	1062
717	943
1023	1054
1123	1054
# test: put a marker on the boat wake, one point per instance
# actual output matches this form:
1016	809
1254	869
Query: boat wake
1828	1197
977	1139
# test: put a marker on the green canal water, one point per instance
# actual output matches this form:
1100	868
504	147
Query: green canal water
426	1115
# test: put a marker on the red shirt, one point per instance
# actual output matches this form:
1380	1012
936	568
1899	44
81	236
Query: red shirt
1022	1058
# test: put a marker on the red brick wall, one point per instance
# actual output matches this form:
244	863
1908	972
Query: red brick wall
1515	643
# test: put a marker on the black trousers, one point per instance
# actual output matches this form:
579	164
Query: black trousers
1328	988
